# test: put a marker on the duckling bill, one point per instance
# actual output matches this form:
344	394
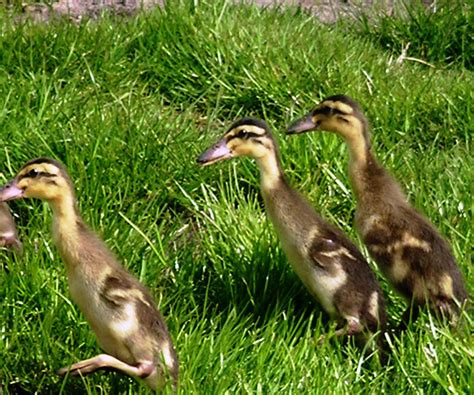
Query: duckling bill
8	232
327	262
119	309
407	247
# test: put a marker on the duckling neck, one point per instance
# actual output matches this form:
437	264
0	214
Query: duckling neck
361	160
270	171
66	227
359	152
359	163
369	179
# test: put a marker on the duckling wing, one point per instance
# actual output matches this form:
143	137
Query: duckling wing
119	289
116	290
408	235
332	245
414	256
133	316
324	251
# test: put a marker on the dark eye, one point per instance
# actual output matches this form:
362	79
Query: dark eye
242	134
343	119
32	173
323	110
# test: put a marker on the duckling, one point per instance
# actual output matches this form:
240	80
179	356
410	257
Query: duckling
8	232
119	309
409	250
327	262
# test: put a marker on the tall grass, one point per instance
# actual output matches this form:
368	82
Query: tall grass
440	34
128	104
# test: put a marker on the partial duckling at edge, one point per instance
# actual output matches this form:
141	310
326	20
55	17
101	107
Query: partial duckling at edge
327	262
119	309
8	232
408	249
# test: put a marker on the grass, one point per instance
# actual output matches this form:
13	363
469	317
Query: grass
128	104
440	33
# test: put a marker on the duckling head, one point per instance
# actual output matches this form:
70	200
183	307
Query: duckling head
339	114
246	137
41	178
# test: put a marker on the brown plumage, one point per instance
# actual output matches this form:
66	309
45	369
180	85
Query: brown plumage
327	262
408	249
8	232
119	309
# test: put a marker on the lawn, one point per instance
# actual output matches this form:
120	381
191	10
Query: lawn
128	105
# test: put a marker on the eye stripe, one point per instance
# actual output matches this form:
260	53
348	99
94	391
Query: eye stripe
245	135
33	173
248	135
329	111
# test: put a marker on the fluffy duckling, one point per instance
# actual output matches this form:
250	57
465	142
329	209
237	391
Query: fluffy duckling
120	310
406	246
8	232
327	262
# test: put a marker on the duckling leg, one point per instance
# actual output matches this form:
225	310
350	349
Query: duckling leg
445	307
348	326
103	361
410	315
352	327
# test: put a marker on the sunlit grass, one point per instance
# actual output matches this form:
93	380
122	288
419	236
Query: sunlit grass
128	105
